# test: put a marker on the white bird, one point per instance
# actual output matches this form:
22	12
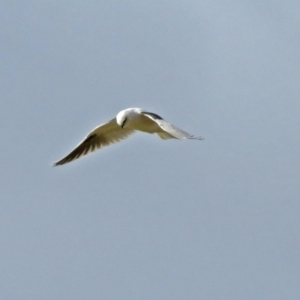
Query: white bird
126	123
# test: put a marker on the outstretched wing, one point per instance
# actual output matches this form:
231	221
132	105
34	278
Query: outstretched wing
169	130
100	137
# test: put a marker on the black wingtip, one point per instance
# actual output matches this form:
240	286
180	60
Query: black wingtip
199	138
55	164
63	161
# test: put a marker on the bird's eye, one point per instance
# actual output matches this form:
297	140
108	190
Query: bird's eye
123	123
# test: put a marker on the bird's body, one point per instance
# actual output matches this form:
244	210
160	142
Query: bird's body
126	122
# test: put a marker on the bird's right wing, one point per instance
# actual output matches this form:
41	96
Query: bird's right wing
169	130
103	135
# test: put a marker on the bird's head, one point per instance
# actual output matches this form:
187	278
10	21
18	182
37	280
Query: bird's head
121	118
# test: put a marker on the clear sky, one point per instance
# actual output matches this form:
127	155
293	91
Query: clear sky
146	218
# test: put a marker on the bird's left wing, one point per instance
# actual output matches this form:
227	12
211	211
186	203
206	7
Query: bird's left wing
103	135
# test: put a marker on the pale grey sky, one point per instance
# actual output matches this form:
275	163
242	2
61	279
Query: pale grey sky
147	218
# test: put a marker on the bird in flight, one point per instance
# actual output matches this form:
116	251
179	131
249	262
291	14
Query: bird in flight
126	123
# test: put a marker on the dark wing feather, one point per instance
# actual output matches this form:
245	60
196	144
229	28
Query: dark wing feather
152	115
